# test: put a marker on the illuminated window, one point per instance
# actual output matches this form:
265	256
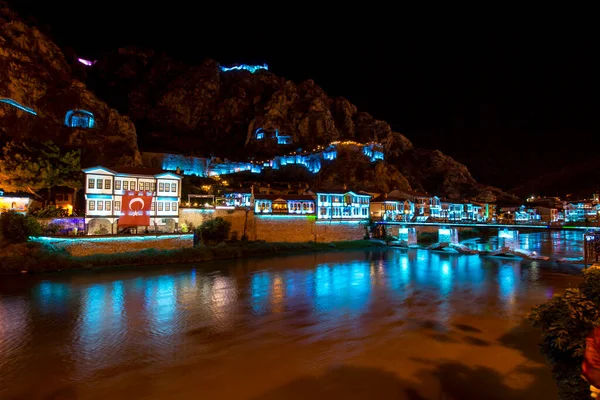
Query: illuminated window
117	185
100	205
132	185
161	187
117	206
98	183
167	206
92	205
107	184
173	187
79	119
174	207
107	206
153	187
147	186
160	206
153	206
125	185
260	134
90	183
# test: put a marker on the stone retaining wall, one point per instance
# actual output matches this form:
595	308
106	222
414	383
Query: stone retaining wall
91	245
241	220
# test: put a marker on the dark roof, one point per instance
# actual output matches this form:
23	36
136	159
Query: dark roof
239	190
382	198
273	197
339	191
140	171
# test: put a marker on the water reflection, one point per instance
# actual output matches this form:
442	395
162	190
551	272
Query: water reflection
94	325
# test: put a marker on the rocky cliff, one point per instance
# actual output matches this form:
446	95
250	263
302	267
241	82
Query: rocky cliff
199	110
35	74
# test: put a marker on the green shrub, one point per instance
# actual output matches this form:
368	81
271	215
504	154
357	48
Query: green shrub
51	211
215	230
566	321
16	228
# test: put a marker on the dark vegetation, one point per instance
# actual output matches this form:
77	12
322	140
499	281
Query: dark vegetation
566	321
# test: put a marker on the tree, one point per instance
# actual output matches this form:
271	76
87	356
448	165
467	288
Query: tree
37	167
16	228
215	230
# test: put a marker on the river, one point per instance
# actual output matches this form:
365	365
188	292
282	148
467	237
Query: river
359	324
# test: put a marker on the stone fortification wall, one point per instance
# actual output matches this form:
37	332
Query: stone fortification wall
241	220
91	245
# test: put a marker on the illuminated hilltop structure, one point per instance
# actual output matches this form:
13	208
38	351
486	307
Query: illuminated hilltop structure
246	67
311	160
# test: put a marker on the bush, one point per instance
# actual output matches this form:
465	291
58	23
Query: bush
566	321
16	228
215	230
51	211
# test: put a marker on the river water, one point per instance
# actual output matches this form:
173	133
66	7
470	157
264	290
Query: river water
390	323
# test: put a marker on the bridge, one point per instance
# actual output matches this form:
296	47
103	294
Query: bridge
484	225
447	237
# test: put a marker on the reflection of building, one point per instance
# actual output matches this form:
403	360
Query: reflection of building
342	205
105	187
284	204
14	202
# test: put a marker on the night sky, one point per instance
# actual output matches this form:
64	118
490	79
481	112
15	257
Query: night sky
509	102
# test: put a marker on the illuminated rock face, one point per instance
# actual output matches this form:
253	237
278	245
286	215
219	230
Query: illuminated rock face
37	92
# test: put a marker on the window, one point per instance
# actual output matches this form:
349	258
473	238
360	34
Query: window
174	207
59	197
100	205
125	185
117	185
153	187
161	187
173	187
167	206
117	206
132	185
90	183
107	205
147	186
153	206
167	187
91	205
98	183
107	184
160	206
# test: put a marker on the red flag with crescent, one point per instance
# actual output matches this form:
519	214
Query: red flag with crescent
135	207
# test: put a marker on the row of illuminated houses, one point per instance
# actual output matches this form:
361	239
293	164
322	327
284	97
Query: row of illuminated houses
105	187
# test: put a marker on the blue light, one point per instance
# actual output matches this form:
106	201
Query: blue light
99	196
129	238
167	199
85	119
283	216
18	105
251	68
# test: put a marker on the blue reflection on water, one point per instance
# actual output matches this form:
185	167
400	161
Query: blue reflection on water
94	308
52	295
161	300
260	289
507	282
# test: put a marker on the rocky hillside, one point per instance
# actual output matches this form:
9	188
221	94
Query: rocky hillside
35	74
197	110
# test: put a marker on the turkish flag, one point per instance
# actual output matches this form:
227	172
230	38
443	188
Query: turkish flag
135	207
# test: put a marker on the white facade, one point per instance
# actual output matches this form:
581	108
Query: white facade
104	189
347	205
